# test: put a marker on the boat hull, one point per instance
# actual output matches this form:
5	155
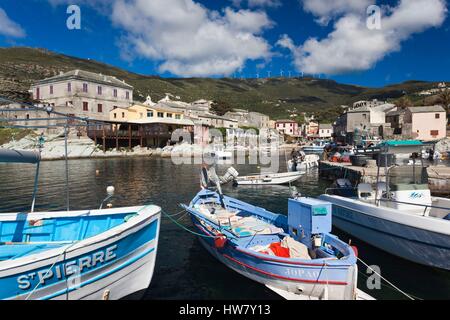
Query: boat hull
402	239
126	267
308	279
269	179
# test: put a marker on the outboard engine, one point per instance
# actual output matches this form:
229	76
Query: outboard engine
308	220
229	176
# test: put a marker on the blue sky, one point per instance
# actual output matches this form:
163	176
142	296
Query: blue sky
180	38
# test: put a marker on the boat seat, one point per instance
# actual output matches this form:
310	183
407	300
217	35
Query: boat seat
365	191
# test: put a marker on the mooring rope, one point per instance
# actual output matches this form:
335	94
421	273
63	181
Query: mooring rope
185	228
390	283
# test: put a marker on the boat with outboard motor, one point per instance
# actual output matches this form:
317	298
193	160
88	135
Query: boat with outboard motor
398	215
296	254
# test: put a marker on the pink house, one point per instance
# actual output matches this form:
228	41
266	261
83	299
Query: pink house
289	127
428	123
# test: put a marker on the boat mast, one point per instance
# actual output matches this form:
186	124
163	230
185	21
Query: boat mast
66	164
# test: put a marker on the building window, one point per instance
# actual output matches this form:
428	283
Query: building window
51	89
178	116
115	93
38	93
85	106
100	107
149	114
28	117
69	104
127	95
99	90
437	116
115	115
169	115
160	114
69	87
123	114
434	133
85	87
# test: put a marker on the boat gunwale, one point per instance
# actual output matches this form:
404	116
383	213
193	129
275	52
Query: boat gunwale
145	215
391	215
335	263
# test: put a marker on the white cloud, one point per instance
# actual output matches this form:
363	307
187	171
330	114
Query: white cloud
325	10
351	46
189	39
8	27
258	3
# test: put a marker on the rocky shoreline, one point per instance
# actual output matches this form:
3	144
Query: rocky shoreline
84	148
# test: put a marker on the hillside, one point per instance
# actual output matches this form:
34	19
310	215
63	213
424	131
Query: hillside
277	97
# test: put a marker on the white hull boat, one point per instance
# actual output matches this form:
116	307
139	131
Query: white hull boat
74	255
310	161
93	255
269	178
400	216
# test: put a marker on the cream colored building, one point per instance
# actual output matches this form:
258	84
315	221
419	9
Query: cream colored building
82	93
428	123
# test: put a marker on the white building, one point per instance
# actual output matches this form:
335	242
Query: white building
85	94
325	130
212	120
249	118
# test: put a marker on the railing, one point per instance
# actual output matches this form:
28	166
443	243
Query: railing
426	206
346	188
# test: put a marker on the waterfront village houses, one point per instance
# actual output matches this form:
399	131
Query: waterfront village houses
82	93
427	123
325	130
287	127
247	118
369	117
153	124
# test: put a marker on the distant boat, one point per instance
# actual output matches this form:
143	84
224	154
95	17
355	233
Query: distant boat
269	178
317	146
87	254
309	161
400	216
295	253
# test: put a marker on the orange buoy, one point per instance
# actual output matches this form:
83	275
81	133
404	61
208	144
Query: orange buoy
220	241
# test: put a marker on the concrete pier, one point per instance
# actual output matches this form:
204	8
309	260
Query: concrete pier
438	176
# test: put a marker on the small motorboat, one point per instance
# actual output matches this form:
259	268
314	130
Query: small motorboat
295	254
318	146
72	255
399	215
307	162
268	178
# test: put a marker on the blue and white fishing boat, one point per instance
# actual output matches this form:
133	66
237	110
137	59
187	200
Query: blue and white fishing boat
88	254
294	254
317	146
398	215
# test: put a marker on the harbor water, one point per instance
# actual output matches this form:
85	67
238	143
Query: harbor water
184	270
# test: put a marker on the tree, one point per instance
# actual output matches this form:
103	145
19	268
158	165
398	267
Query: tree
403	103
221	107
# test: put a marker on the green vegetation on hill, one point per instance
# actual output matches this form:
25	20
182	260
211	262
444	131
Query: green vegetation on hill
276	97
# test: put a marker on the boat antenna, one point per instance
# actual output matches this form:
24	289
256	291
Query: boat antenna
66	164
